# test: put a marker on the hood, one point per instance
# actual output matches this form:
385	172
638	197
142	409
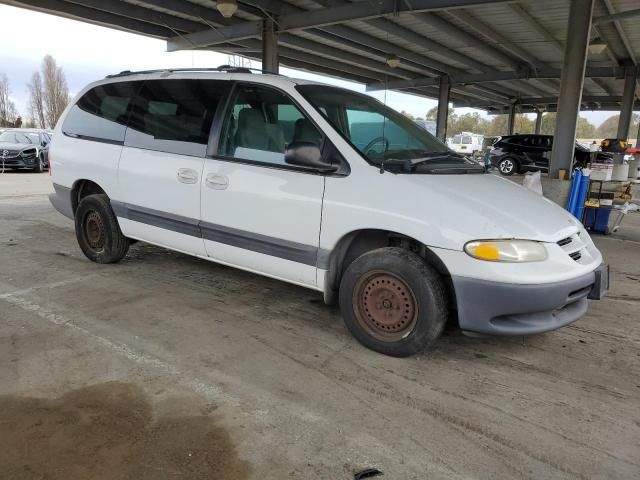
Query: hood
484	206
15	146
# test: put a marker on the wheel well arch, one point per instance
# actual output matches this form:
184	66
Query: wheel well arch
358	242
81	188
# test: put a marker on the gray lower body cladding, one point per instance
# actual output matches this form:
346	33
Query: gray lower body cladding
61	200
511	309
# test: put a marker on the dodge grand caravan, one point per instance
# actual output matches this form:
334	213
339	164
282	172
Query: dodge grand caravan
321	187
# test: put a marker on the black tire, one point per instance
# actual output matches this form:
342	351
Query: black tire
407	294
98	232
40	167
508	166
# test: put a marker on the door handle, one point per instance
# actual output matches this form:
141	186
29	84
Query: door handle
217	182
187	175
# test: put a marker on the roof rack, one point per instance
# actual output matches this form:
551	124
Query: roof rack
221	68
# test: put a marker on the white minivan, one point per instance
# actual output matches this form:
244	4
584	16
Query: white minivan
321	187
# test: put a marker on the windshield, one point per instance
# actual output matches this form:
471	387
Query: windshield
378	132
19	137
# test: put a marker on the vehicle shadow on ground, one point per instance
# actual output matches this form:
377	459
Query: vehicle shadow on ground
108	431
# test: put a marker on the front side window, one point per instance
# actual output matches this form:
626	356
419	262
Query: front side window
102	112
378	132
261	123
174	116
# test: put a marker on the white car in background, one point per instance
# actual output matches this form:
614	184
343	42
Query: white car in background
466	143
325	188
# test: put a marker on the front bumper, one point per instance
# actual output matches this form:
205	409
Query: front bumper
514	309
18	162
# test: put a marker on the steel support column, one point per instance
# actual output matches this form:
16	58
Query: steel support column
628	97
512	119
571	82
270	59
443	108
539	114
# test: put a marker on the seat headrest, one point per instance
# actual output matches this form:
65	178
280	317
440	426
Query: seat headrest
249	117
305	131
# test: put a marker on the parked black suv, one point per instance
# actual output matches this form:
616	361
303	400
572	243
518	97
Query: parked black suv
529	153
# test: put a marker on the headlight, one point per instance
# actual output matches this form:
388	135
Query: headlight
506	250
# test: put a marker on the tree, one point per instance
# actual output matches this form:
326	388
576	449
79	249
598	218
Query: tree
55	90
36	100
609	128
8	112
548	125
408	115
584	129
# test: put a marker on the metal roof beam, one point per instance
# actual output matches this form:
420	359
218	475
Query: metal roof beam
592	72
319	18
342	56
471	40
533	23
492	34
208	15
90	15
612	17
388	26
142	14
621	33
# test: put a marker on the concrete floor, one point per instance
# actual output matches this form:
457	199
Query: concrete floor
170	367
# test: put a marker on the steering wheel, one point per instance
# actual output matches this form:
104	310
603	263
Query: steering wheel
374	141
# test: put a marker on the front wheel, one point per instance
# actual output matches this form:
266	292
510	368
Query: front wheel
98	232
507	166
40	167
393	302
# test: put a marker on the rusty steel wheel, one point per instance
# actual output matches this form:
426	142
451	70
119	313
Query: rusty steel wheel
393	301
385	306
94	230
97	230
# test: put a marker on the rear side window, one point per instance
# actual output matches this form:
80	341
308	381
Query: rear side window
174	116
101	114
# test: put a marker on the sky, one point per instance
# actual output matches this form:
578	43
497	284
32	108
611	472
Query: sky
88	52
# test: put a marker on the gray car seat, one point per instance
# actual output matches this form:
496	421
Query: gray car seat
305	131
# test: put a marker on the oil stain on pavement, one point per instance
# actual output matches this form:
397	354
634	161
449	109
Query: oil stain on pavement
108	431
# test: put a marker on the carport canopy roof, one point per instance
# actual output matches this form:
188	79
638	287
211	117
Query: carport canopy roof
496	53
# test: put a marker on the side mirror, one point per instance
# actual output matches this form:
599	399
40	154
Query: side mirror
308	155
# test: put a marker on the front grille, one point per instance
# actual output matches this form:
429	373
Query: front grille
9	153
565	241
576	255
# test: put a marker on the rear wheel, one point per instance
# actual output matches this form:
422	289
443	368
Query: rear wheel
98	232
393	302
507	166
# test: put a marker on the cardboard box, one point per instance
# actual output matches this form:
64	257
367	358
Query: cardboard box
601	171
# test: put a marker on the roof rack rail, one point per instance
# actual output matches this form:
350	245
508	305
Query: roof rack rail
221	68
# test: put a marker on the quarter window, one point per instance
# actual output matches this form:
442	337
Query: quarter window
261	123
174	116
102	112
